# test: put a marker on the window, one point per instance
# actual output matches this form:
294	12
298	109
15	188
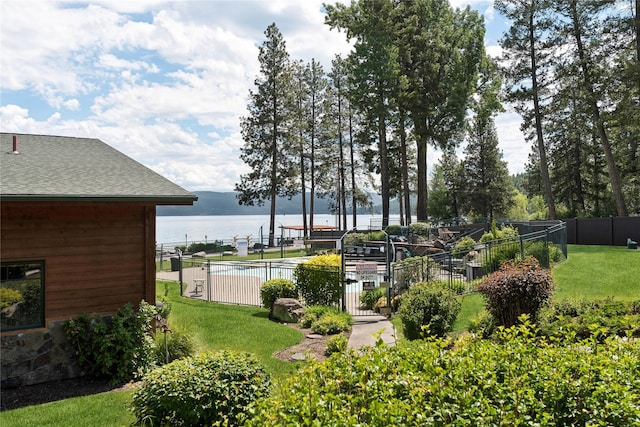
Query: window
21	295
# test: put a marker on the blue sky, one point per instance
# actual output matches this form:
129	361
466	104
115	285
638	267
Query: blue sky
166	82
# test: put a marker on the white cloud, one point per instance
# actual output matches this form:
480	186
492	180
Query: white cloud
165	82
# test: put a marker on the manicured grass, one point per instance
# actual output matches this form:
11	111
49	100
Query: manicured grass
598	272
230	327
588	273
472	305
98	410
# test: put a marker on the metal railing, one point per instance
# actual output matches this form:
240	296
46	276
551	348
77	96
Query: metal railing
461	271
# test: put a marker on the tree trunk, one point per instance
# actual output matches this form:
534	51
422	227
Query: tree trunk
421	163
544	168
405	172
616	187
354	213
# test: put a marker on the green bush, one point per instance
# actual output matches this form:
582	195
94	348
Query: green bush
337	344
331	323
354	239
428	309
579	319
119	348
273	289
463	247
516	380
413	270
546	253
516	289
9	296
394	230
313	313
319	280
370	297
495	255
504	232
420	229
179	345
200	391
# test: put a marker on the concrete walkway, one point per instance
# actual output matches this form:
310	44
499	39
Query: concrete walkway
366	329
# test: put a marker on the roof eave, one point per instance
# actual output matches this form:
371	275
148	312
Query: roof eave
157	200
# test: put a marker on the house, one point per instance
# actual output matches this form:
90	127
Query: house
77	235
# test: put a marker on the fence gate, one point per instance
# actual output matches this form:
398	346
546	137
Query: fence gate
365	267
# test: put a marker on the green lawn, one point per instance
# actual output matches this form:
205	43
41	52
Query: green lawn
230	327
590	272
598	272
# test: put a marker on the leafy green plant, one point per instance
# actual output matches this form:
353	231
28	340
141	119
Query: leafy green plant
119	348
9	297
331	323
494	255
546	253
370	297
578	318
504	232
463	247
393	230
273	289
337	344
516	289
428	309
178	345
518	379
419	229
197	391
319	280
313	313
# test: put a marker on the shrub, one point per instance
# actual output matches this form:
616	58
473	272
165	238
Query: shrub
370	297
420	229
579	319
319	280
9	296
412	270
428	309
504	232
313	313
273	289
394	230
545	253
495	255
179	345
119	348
380	304
516	289
337	344
331	323
354	239
518	380
198	391
463	247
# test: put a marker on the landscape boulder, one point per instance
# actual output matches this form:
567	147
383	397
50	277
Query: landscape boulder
288	310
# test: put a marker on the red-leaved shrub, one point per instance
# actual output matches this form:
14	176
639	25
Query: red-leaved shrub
515	289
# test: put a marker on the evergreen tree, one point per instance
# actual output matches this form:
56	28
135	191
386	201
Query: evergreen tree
266	131
527	51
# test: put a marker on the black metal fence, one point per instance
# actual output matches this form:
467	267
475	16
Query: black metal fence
461	271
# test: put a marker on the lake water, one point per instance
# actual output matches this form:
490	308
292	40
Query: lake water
187	229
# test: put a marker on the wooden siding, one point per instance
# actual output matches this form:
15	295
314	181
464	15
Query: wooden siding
98	256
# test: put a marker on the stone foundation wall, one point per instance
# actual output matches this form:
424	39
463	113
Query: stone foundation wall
36	357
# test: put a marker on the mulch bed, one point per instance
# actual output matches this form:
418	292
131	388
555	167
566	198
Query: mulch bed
55	390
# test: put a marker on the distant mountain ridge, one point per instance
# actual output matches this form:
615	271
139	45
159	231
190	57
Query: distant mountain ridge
226	203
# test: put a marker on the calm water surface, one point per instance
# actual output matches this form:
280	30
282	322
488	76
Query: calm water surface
188	229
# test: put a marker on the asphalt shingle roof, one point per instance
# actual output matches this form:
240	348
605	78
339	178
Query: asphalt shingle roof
67	168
